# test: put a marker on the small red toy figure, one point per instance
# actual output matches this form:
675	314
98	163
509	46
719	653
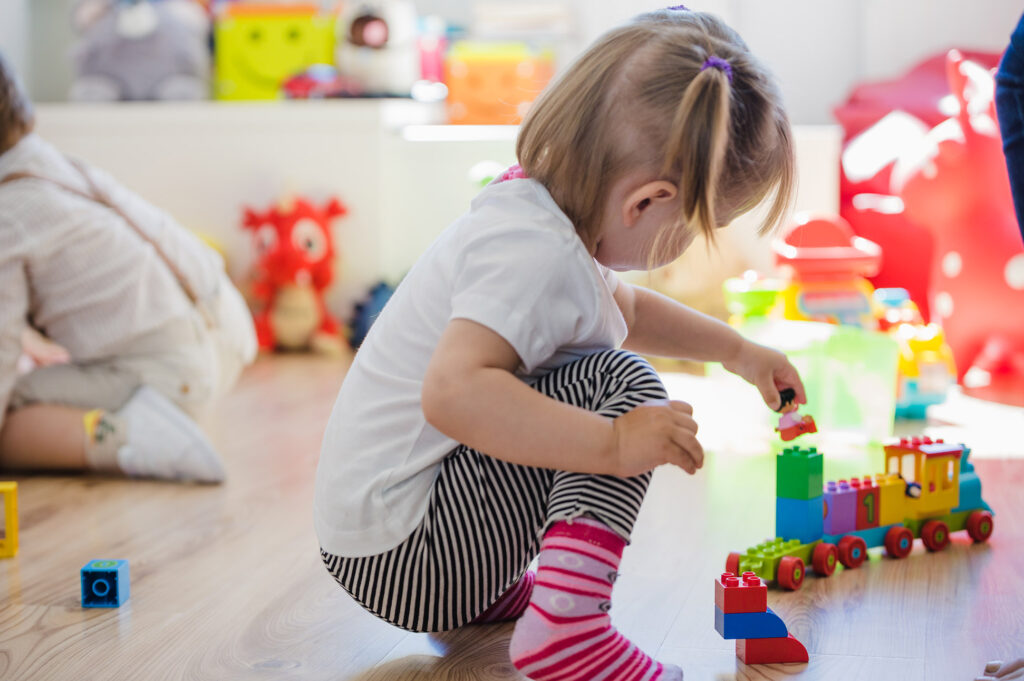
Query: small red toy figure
294	266
791	424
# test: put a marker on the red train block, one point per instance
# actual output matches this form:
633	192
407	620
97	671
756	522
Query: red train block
868	496
770	650
741	594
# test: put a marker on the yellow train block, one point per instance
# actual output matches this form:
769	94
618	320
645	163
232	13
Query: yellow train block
892	499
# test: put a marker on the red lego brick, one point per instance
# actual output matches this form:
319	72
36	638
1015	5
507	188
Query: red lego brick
868	495
741	594
770	650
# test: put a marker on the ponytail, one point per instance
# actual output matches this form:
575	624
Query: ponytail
698	142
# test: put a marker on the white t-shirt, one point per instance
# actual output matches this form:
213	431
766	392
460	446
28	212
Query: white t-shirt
513	263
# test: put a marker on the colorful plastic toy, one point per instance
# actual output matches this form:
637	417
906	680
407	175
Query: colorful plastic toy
259	46
9	537
494	83
826	266
926	369
742	613
957	187
295	265
791	424
321	81
105	583
929	490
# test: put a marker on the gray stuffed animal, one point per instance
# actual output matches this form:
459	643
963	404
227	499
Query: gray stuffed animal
141	50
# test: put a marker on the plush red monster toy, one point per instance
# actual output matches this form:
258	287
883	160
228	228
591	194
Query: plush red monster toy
956	186
294	265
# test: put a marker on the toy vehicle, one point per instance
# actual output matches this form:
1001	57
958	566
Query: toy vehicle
929	490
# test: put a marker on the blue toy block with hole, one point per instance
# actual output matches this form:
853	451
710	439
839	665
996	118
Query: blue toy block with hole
802	519
104	583
750	624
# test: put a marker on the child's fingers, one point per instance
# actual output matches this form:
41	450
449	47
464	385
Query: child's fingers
993	667
769	391
691	454
789	377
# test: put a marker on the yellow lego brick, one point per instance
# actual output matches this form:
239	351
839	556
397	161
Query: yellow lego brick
9	503
892	498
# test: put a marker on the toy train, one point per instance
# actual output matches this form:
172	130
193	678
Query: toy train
929	490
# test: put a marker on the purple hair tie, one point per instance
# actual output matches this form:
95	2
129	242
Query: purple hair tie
679	8
722	65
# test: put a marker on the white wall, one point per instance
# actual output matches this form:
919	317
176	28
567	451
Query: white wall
13	39
820	48
203	162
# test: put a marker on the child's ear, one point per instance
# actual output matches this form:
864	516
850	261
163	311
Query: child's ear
646	196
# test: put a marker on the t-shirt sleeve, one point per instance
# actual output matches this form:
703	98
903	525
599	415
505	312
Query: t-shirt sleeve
528	286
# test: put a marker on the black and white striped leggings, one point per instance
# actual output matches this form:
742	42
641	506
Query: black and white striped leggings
486	517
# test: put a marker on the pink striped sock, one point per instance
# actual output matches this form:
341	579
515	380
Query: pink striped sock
511	604
566	633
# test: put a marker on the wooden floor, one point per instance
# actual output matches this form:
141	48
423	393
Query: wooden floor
226	581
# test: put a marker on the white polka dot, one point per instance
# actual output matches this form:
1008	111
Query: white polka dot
944	304
952	263
561	603
570	560
1014	272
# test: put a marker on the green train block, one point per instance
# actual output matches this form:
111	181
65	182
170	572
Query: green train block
763	559
799	473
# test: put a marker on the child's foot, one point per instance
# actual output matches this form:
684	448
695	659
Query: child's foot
511	604
566	632
1003	670
163	442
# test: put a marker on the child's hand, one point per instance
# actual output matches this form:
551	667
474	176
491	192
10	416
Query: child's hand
657	432
41	350
1003	670
768	370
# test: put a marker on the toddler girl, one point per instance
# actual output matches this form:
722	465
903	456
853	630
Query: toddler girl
488	418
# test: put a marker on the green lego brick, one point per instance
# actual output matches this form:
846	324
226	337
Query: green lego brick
799	473
763	559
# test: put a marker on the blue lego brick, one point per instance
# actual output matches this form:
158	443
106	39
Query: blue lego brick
872	537
801	519
750	625
104	583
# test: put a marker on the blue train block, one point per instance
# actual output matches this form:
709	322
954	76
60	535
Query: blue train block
104	583
970	486
750	625
802	519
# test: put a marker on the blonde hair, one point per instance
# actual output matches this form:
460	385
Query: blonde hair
16	116
643	96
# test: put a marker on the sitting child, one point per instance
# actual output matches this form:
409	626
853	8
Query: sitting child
151	324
